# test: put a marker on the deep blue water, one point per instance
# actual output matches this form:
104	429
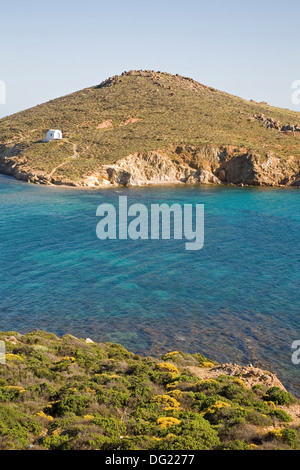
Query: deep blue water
235	300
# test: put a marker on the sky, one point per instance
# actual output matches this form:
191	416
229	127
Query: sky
246	48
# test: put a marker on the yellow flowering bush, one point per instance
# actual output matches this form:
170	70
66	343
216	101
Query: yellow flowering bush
275	433
167	401
15	387
167	367
207	364
166	422
13	357
88	417
239	382
43	415
172	384
217	406
51	403
108	376
171	354
208	381
175	393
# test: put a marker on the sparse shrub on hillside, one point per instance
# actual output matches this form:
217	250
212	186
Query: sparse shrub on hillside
281	416
278	396
290	437
76	404
111	427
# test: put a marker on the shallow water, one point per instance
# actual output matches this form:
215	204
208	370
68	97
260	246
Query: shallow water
235	300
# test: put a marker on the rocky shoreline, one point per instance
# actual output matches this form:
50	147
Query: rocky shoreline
227	165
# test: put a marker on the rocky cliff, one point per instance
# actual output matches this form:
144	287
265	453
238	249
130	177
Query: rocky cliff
209	165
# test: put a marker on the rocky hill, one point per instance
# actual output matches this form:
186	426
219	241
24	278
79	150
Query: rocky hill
72	393
146	127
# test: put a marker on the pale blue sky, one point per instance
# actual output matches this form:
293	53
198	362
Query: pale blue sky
49	49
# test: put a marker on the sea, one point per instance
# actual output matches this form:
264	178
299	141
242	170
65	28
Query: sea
235	300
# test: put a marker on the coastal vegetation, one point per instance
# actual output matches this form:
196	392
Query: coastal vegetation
71	393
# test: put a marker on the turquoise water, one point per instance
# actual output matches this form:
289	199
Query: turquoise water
236	300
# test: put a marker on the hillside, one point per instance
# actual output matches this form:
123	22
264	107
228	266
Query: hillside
152	127
71	393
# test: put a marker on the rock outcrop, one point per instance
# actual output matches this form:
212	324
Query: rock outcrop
250	374
271	123
209	165
178	165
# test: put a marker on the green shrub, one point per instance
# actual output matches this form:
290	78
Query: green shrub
258	419
278	396
238	393
194	433
209	387
114	397
8	393
76	404
230	416
290	437
111	427
257	387
56	442
237	445
116	351
281	415
16	426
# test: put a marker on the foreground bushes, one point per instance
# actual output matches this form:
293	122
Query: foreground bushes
66	394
